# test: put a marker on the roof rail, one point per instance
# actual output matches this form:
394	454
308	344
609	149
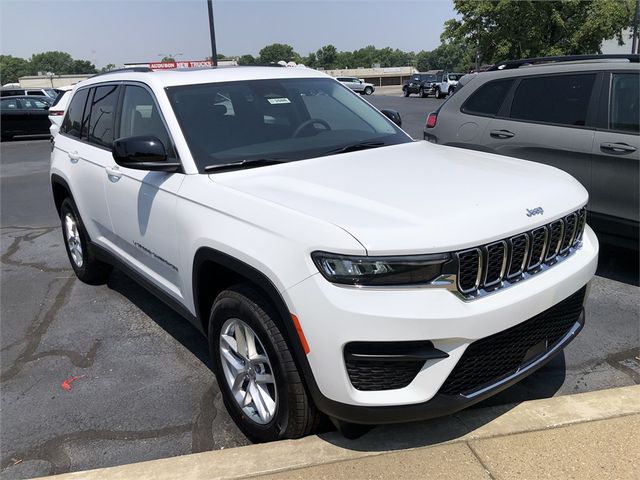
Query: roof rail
509	64
125	69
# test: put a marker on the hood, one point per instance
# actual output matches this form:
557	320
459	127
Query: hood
416	197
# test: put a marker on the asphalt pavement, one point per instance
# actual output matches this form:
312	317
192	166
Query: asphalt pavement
100	376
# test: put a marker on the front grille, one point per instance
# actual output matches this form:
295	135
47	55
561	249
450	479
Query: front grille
493	266
487	360
556	231
374	375
538	244
519	246
496	260
469	269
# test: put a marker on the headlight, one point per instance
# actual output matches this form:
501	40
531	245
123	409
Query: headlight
379	271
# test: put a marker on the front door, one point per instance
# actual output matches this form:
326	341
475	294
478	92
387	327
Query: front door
616	157
142	204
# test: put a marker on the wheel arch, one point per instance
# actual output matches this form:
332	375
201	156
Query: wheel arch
213	271
60	189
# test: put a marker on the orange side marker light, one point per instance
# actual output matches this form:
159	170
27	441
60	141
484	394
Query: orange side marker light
303	340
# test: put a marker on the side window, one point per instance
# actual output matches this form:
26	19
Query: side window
488	99
9	104
38	93
72	123
624	113
102	108
560	99
140	116
34	103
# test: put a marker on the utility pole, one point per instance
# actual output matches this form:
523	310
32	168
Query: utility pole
214	52
635	48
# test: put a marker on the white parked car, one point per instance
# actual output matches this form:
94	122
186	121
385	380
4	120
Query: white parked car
357	85
56	111
335	265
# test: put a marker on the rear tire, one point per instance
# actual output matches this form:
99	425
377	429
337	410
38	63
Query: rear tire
81	254
284	408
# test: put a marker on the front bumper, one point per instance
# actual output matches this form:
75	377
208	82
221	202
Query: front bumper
332	316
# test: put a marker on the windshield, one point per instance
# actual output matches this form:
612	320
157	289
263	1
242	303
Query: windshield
280	119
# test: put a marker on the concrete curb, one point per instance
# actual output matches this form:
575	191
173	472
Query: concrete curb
468	425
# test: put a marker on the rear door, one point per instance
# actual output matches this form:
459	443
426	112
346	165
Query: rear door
37	115
85	137
12	119
549	119
616	155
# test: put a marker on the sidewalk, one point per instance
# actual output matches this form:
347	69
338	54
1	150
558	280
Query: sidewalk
589	435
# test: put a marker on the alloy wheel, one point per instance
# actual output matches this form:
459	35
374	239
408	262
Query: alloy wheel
72	236
247	371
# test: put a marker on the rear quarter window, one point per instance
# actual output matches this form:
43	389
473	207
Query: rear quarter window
72	123
488	98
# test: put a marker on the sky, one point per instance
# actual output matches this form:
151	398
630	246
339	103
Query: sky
113	31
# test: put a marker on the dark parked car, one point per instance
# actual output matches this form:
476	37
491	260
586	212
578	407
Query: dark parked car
579	113
421	83
24	116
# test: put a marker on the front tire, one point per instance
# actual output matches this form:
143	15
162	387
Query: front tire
368	91
406	92
260	383
423	93
81	254
438	94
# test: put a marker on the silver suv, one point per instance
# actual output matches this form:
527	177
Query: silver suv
579	114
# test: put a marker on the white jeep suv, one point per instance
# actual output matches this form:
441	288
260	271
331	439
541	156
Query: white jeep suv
334	264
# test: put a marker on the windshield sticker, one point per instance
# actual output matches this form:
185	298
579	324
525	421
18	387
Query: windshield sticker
278	101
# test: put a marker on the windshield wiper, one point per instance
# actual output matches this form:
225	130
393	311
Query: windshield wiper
354	147
256	162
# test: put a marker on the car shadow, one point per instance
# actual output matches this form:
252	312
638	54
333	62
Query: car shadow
170	321
544	383
618	263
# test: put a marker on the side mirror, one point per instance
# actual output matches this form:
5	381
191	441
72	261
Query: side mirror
144	152
393	115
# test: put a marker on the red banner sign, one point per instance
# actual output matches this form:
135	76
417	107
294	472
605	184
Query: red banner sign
181	64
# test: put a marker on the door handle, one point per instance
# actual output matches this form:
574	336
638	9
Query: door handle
502	134
74	157
617	147
114	173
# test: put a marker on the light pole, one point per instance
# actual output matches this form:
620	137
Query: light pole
214	52
635	48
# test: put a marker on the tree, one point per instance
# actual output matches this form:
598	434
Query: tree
276	52
247	60
83	66
504	30
59	63
169	59
12	68
311	60
107	68
326	57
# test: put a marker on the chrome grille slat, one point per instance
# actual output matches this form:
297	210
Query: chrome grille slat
496	263
556	233
519	254
539	238
486	268
570	224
